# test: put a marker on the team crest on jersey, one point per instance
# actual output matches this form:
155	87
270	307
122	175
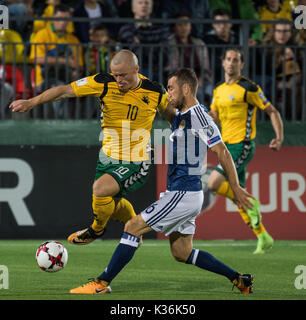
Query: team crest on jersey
182	124
179	132
232	97
145	99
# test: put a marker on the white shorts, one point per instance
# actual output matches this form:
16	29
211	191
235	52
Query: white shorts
174	211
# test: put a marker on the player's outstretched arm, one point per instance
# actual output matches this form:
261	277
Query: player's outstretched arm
277	125
241	195
49	95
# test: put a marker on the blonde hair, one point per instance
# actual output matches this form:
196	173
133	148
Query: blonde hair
125	56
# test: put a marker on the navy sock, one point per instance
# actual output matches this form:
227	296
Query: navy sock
208	262
121	257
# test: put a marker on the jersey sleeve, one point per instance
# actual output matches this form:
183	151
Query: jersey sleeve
164	100
205	127
257	98
87	87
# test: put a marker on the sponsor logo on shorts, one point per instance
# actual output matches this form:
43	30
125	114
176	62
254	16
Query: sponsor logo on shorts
144	171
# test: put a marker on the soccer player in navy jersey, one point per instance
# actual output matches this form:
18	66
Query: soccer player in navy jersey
174	214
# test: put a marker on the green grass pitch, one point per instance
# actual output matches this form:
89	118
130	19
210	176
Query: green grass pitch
153	274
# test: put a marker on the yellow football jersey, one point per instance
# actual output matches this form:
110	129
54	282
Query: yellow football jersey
237	105
284	12
126	116
46	41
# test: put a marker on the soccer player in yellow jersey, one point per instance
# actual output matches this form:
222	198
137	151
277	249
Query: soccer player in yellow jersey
129	103
234	105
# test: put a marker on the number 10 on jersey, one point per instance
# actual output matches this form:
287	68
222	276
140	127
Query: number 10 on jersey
132	113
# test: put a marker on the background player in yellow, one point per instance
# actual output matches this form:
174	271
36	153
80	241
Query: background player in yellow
234	105
129	103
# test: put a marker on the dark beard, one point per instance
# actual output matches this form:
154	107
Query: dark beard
180	104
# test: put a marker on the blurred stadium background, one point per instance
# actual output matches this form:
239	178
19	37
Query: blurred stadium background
48	156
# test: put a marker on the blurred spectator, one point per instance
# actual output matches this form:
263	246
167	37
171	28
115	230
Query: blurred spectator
124	8
301	41
241	9
18	10
93	9
97	59
13	79
39	7
12	82
221	34
138	33
111	5
287	64
100	50
273	10
187	51
11	44
301	37
56	54
70	3
48	12
198	10
6	96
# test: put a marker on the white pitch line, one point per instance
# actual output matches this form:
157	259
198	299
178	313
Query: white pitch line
203	245
157	244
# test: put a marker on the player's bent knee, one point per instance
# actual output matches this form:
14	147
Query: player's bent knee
132	226
96	189
211	184
215	180
128	226
105	186
136	226
211	187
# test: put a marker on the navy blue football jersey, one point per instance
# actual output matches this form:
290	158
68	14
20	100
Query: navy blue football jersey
193	132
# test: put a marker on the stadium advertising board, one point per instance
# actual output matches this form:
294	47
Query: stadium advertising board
277	179
46	191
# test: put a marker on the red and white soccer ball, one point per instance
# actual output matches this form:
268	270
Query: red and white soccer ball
51	256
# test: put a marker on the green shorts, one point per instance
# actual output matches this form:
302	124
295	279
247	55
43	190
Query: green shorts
129	175
242	153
